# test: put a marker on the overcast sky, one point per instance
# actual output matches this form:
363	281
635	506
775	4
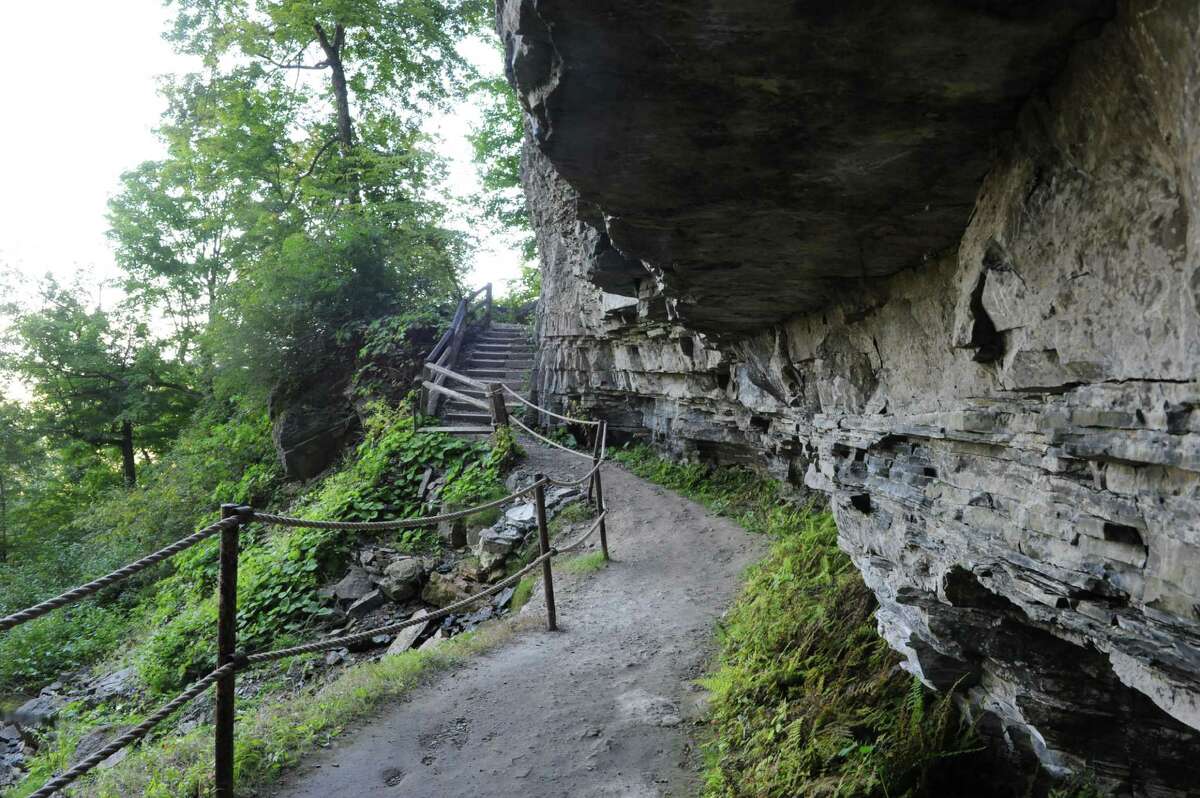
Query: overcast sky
81	115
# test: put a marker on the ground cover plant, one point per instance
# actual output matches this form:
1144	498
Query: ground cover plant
807	699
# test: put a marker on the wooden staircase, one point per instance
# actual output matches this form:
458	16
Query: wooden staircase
501	353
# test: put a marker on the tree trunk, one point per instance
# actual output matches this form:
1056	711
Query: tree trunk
341	95
3	519
127	454
341	99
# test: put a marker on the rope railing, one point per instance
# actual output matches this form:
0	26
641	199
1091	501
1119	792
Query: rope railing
544	411
573	483
231	661
549	442
569	547
133	735
392	628
120	575
387	526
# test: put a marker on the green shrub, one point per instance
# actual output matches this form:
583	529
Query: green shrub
280	570
41	649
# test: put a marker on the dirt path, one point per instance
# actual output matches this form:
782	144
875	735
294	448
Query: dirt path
603	707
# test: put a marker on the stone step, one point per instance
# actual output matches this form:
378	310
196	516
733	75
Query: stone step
456	405
502	375
473	430
493	346
464	417
492	363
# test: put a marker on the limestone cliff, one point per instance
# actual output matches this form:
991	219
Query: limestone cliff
934	259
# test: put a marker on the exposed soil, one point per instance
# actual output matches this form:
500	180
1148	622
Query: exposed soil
604	706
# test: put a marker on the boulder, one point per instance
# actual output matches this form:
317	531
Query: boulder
354	585
311	425
118	684
40	711
522	516
95	740
454	532
503	598
407	636
443	590
402	579
366	605
495	543
12	755
433	642
557	497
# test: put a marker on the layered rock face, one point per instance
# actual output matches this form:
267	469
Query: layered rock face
938	261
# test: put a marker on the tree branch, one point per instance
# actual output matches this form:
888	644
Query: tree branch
316	158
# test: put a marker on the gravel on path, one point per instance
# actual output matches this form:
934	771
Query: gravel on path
606	706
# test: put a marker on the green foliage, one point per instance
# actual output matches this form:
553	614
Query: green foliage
573	513
39	650
497	143
225	455
807	699
523	592
480	481
99	377
390	356
1081	787
278	733
585	563
280	573
519	293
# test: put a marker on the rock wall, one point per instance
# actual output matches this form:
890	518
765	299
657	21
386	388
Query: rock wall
1008	428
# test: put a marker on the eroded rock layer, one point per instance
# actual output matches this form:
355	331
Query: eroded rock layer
1002	401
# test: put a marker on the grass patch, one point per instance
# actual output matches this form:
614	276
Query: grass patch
807	699
277	733
523	592
483	518
574	513
584	563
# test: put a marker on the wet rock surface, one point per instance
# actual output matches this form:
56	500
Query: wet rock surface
1008	431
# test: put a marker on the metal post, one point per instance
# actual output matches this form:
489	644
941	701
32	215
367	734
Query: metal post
226	646
496	401
539	501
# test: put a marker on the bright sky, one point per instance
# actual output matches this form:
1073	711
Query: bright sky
80	118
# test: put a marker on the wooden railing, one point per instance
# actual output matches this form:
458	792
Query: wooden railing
445	352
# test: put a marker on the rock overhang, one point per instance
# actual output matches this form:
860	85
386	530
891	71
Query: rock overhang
762	159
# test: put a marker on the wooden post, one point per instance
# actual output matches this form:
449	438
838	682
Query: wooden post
487	315
498	408
601	432
539	501
226	647
422	392
597	442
